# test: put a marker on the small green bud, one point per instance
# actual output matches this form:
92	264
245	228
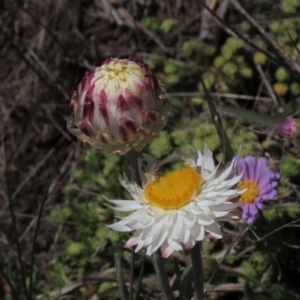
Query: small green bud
276	27
289	6
235	43
169	25
189	47
290	166
230	68
260	58
172	79
152	23
219	62
209	50
179	137
161	146
246	72
245	26
240	59
227	52
280	88
209	80
154	62
281	74
288	24
170	67
74	249
295	88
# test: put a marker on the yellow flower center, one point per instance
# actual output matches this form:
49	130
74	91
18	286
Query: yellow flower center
174	190
252	191
119	74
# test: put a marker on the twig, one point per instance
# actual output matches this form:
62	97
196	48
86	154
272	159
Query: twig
217	94
243	36
292	64
109	8
267	85
107	275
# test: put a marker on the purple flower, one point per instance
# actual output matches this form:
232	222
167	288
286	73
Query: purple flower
260	183
289	128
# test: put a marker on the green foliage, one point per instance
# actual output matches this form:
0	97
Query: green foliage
190	47
289	6
161	146
281	74
246	72
169	25
295	88
290	166
260	58
209	80
154	62
219	61
152	24
243	143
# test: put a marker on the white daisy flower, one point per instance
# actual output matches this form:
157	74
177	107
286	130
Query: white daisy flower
174	211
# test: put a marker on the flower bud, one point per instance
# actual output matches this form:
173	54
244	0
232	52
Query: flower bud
119	106
290	128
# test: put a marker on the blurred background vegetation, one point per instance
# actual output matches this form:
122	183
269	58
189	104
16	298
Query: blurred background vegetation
251	72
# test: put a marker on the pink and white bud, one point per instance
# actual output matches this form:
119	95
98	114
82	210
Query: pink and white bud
289	128
119	106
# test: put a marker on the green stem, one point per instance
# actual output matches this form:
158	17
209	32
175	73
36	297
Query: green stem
198	271
161	273
140	280
37	226
120	279
15	234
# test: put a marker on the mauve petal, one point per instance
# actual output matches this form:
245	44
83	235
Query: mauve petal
253	209
261	168
250	167
249	221
264	180
269	195
259	204
240	163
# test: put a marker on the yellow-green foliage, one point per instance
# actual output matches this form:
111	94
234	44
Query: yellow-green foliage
74	249
169	25
227	52
246	72
290	166
105	286
161	146
219	62
235	43
230	68
190	47
272	147
243	143
289	6
293	211
295	88
209	79
280	88
255	266
154	62
206	133
281	74
171	66
152	23
260	58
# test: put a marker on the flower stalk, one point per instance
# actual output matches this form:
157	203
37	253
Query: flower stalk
197	271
